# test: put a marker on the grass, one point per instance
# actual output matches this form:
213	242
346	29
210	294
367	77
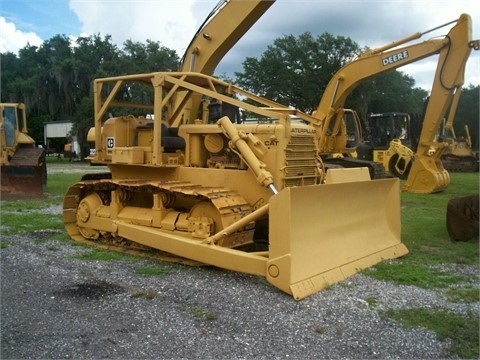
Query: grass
461	331
102	255
424	226
468	295
199	313
159	271
147	294
425	235
405	273
423	232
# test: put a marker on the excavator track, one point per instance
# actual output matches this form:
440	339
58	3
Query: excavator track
453	163
227	204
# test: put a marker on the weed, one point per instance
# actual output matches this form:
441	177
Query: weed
147	294
102	255
321	329
199	313
4	244
462	331
160	270
345	284
371	302
210	315
328	286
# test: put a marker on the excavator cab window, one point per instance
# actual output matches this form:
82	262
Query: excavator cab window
10	119
352	129
383	128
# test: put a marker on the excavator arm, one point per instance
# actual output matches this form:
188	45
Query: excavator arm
221	30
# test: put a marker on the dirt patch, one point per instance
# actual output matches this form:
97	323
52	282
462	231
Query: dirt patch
92	290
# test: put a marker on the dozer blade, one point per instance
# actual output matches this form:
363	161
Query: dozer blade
320	235
25	176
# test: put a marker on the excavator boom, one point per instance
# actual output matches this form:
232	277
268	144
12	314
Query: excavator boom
220	31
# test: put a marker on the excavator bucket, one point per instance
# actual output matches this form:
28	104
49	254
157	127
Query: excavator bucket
26	174
332	232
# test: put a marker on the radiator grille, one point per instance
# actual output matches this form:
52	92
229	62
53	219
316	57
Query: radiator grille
300	165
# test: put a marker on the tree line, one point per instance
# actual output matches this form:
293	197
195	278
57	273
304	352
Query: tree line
55	79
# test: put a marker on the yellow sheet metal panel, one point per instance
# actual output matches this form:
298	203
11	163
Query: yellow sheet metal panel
320	235
336	176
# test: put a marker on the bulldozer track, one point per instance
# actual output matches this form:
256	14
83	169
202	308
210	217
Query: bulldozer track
228	203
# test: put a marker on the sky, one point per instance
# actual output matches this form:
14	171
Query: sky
173	23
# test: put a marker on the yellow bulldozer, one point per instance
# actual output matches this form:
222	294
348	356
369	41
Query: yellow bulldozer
23	166
460	155
250	197
187	179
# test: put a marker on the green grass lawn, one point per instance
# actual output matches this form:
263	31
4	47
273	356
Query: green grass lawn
425	234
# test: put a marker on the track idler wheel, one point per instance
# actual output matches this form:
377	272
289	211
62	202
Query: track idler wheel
85	209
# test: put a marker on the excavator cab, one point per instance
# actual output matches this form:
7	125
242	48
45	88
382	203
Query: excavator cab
388	141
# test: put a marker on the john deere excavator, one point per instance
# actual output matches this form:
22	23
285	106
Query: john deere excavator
424	171
23	166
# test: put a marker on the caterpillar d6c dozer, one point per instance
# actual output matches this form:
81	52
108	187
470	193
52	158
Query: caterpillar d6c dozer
23	166
248	197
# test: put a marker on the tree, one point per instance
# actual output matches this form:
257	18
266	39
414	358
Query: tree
55	80
468	113
138	57
295	71
392	91
94	58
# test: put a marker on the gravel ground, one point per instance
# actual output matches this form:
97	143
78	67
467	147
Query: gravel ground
54	306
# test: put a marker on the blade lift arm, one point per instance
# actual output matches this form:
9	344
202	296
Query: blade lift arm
246	146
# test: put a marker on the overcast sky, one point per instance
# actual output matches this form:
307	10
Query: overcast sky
173	23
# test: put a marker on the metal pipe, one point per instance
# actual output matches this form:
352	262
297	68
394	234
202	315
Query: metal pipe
238	225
